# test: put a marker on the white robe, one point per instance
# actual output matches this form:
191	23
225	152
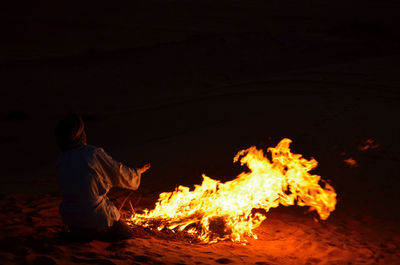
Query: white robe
85	175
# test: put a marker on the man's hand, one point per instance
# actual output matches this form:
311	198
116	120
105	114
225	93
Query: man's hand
143	168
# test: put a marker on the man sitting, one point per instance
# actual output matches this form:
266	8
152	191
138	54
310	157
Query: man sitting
86	173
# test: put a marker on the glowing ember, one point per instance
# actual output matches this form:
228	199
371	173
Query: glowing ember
368	144
232	210
351	162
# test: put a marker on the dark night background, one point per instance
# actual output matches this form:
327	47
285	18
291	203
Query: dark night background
186	84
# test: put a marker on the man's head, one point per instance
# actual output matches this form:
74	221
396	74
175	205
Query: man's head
70	132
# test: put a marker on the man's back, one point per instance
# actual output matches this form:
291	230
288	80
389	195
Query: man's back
83	188
74	171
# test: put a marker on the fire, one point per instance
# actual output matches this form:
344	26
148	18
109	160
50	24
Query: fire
216	211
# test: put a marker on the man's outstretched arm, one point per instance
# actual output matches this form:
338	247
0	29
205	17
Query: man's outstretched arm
119	175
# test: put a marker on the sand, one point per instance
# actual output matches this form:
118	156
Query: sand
31	234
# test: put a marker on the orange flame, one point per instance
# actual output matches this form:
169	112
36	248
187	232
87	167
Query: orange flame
232	210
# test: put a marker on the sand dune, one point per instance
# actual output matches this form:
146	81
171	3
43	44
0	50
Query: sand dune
31	234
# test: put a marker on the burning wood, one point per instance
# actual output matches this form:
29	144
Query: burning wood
216	211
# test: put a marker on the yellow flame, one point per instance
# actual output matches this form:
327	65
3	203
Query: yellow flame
232	210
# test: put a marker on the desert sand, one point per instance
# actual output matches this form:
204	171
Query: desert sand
187	84
31	234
